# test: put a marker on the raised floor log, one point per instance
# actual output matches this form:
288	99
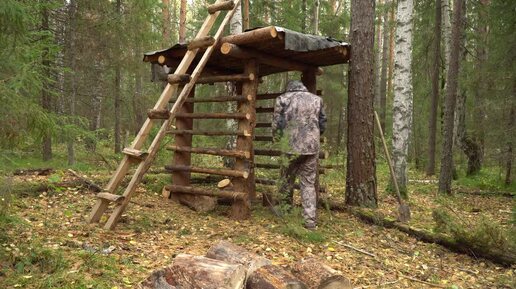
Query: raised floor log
178	78
205	192
213	115
219	172
209	132
158	113
214	99
231	253
211	151
226	78
273	277
318	275
202	42
257	35
187	271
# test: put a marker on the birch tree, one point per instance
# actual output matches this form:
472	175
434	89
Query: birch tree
402	107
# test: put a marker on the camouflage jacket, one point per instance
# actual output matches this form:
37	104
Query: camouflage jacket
299	115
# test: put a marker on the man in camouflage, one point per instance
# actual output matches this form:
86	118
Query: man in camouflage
299	117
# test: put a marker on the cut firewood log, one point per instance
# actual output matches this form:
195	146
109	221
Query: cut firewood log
273	277
318	275
231	253
191	272
224	183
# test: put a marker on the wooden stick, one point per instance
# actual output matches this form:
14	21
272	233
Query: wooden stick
89	184
158	114
206	192
218	172
358	250
210	132
211	151
246	53
213	115
423	282
202	42
220	6
214	99
178	78
226	78
257	35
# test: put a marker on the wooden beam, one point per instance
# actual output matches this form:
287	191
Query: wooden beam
215	99
226	78
210	132
277	153
205	192
178	78
134	153
218	172
110	197
202	42
247	53
221	6
211	151
158	114
214	115
257	35
267	96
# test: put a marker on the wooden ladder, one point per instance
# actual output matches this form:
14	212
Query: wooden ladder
135	155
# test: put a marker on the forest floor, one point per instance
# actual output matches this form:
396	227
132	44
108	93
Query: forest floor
46	243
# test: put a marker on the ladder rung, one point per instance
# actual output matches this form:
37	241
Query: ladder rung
206	192
263	125
264	109
111	197
178	78
135	153
220	6
210	133
202	42
158	114
218	172
277	153
207	115
211	151
263	138
216	99
225	78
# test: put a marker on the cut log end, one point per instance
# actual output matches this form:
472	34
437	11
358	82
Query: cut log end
224	183
225	48
221	6
162	59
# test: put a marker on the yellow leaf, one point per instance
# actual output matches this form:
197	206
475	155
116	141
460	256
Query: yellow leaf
331	249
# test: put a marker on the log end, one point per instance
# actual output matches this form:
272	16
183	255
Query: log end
224	183
274	32
226	48
162	59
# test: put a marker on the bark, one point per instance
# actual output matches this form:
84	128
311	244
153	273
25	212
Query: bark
166	21
245	20
446	31
317	6
182	22
46	99
432	125
118	76
378	61
391	47
360	173
273	277
403	98
303	20
384	65
446	175
510	137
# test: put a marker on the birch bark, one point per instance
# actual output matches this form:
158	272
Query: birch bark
402	107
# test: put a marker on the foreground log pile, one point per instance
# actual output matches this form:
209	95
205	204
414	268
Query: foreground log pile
228	266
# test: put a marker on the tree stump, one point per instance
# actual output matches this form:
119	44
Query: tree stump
273	277
231	253
318	275
193	272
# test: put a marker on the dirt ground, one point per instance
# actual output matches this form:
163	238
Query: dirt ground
153	231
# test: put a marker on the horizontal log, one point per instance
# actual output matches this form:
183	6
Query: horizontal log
256	35
273	277
322	170
247	53
202	42
221	6
264	109
213	115
277	153
178	78
135	153
269	138
226	78
37	172
267	96
210	132
158	113
205	192
231	253
263	125
215	99
314	273
110	197
218	172
211	151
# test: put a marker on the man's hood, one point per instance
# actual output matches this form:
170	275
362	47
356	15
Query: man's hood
295	85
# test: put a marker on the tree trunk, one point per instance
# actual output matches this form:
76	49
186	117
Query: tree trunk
303	19
445	177
317	5
361	168
182	22
245	12
318	275
432	125
231	253
46	98
166	21
70	77
385	63
117	131
378	61
403	98
392	27
510	137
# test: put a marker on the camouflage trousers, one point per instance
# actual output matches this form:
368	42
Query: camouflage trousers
304	167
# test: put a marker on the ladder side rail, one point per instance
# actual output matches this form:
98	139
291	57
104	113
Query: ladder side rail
153	149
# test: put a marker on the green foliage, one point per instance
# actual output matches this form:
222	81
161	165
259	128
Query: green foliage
292	226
